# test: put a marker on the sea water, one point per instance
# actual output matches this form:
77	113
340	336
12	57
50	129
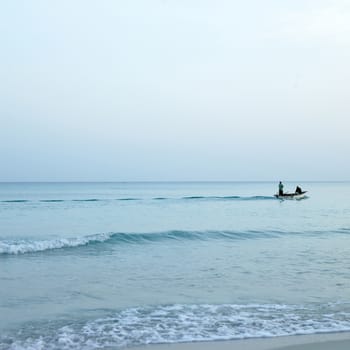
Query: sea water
113	265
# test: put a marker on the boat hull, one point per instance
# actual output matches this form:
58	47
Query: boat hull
301	195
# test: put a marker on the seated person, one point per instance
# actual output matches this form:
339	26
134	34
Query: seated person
298	190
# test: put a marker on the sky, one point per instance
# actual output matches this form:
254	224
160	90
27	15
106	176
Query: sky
174	90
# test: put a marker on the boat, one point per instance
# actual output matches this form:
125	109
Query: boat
294	195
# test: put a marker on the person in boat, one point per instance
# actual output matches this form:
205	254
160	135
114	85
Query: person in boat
298	190
280	189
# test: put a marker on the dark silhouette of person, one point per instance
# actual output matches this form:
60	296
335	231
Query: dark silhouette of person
280	189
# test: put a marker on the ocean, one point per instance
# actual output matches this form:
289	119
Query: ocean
115	265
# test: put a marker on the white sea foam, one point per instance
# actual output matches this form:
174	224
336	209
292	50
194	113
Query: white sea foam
26	246
188	323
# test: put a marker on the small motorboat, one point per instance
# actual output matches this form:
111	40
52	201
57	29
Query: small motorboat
294	195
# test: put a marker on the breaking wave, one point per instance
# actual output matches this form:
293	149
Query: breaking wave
182	323
8	247
27	246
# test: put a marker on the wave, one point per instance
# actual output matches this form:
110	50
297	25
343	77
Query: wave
128	199
15	247
51	200
208	198
242	198
22	246
182	323
27	246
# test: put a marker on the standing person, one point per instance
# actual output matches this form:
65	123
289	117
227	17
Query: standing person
280	189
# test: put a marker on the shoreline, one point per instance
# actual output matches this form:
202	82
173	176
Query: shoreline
323	341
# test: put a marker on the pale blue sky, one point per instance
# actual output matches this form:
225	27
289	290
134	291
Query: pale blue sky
174	90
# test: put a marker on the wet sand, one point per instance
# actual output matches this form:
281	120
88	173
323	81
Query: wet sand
333	341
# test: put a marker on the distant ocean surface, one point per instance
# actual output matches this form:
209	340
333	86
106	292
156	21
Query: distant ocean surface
113	265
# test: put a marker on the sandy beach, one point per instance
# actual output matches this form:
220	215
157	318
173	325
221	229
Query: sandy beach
333	341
